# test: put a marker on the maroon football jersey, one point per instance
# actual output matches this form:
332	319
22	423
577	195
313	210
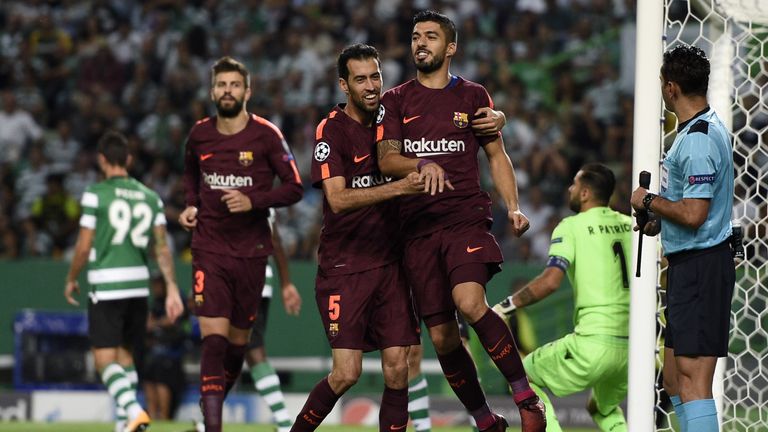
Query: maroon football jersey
247	161
435	124
361	239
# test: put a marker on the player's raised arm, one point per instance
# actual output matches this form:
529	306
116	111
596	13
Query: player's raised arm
503	174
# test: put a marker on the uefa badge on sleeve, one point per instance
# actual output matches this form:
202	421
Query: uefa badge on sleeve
322	150
460	119
246	158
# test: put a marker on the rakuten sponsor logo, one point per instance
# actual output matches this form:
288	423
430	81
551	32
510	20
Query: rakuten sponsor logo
220	181
425	147
370	180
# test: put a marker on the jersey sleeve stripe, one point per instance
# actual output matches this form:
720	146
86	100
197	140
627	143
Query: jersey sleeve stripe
160	219
296	174
88	221
89	199
268	123
325	171
320	127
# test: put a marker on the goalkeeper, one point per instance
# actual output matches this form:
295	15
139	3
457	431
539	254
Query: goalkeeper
592	248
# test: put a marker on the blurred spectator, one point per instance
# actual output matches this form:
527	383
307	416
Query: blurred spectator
82	175
30	183
17	130
61	148
550	65
52	223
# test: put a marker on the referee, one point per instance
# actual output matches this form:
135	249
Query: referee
694	208
589	248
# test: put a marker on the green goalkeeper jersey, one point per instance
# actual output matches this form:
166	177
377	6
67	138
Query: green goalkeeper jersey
593	247
123	213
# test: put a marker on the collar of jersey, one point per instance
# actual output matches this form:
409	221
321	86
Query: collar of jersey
684	124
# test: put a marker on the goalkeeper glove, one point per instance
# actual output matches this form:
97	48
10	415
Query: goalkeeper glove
505	308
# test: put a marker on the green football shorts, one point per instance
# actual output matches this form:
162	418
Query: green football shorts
575	363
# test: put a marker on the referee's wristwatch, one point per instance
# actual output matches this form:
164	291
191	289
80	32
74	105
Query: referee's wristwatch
648	199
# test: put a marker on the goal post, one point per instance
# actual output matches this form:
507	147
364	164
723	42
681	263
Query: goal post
734	34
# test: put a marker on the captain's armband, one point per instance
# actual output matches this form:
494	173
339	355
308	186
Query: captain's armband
559	262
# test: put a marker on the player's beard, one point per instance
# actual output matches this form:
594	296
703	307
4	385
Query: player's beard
359	102
232	111
574	203
429	66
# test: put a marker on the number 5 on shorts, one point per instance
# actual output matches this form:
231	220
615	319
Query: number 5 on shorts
334	307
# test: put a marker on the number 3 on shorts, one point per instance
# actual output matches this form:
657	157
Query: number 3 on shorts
334	307
199	281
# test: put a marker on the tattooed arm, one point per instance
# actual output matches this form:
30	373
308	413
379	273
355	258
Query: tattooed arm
541	286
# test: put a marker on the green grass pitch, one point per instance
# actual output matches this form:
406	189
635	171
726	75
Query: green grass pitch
185	427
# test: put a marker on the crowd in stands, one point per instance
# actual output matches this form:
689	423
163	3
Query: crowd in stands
561	70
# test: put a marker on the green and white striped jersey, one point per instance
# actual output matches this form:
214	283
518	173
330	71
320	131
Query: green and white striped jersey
123	212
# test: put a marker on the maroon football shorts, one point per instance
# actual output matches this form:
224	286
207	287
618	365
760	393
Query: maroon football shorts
369	310
430	259
227	287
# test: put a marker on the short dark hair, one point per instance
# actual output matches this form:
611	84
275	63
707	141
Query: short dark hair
358	52
599	179
687	66
448	27
114	146
228	64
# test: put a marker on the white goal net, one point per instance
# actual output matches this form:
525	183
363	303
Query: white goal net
734	33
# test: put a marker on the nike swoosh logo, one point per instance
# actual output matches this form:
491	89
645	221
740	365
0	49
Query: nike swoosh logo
407	120
452	375
359	159
473	249
208	378
206	156
401	427
493	348
315	415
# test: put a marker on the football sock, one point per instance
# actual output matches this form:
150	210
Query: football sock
267	383
701	415
119	387
233	365
500	346
677	404
120	414
552	423
418	404
319	403
460	371
212	382
393	414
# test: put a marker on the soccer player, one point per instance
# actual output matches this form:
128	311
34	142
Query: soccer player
593	249
265	379
120	217
231	162
449	252
694	207
360	290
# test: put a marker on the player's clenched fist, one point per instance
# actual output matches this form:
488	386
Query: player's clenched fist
188	218
519	222
236	201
